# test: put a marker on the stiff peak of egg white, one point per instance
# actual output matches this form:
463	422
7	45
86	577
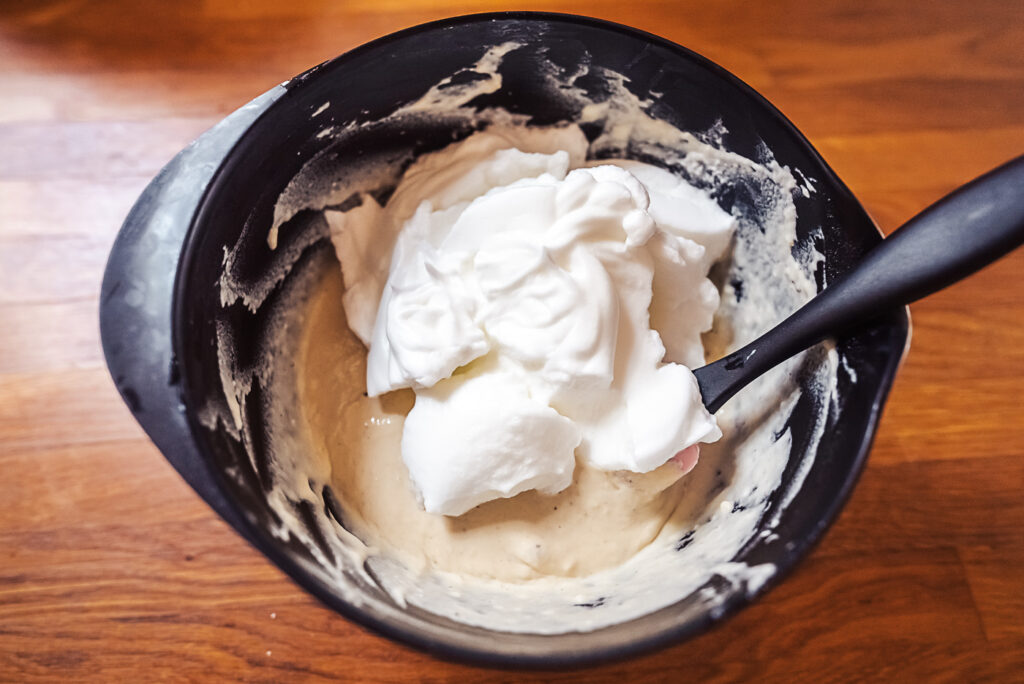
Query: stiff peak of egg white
519	305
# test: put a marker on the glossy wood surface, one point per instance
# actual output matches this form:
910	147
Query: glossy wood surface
111	569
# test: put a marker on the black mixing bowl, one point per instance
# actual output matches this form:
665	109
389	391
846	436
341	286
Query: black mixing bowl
161	306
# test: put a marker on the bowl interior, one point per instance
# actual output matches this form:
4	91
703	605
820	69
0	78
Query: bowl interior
367	85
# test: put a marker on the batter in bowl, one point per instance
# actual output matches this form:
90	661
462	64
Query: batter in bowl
527	287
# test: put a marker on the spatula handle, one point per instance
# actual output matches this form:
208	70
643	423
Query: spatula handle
958	235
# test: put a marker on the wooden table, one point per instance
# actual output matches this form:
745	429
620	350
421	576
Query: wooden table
112	569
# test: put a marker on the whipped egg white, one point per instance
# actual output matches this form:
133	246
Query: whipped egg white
518	306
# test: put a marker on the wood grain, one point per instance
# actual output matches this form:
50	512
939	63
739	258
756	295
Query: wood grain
112	569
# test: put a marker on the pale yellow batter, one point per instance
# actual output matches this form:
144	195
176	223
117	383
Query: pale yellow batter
600	521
